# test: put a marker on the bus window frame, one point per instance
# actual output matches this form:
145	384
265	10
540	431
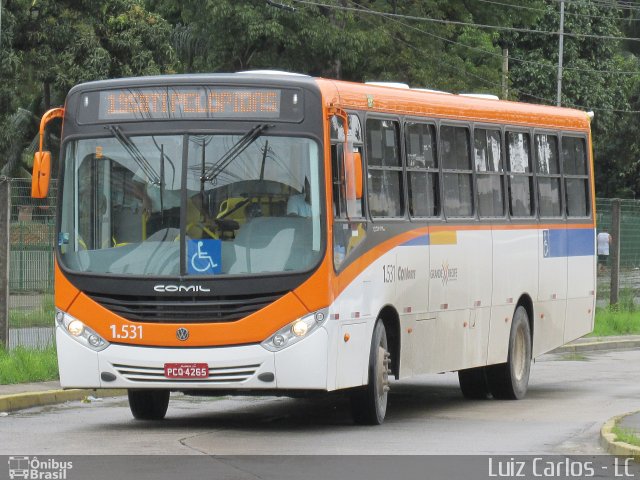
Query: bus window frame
588	176
412	120
560	175
503	175
334	142
534	217
474	207
402	155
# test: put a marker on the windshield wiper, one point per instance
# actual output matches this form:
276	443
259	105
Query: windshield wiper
135	154
231	154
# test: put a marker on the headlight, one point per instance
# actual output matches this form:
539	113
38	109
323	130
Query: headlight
295	331
77	330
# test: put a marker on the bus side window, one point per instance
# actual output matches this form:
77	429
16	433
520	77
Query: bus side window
384	168
422	170
576	176
520	175
489	172
456	171
548	175
346	171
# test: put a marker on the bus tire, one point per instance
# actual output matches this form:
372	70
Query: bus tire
473	383
509	381
369	402
148	404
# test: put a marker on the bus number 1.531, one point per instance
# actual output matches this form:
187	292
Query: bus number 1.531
131	332
389	273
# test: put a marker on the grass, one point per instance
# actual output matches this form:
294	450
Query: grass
620	319
626	436
33	317
23	365
611	322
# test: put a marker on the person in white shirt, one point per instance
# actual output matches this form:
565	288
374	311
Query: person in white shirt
298	205
604	240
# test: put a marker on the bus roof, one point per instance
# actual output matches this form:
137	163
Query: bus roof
400	101
376	98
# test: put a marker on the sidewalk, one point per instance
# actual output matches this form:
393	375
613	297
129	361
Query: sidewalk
26	395
594	344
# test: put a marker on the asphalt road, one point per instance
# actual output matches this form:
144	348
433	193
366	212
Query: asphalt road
569	399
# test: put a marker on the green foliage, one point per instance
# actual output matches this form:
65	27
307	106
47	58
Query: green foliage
26	365
50	45
620	319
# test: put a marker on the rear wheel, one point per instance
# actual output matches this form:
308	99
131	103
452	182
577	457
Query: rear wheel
473	383
148	404
369	402
510	380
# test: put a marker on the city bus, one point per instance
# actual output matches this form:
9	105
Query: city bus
278	234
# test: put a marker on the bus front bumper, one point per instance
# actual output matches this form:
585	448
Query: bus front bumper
248	367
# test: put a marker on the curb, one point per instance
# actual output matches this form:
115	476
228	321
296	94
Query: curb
598	346
609	443
20	401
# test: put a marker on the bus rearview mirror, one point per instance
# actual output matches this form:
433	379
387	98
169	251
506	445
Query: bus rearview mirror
41	174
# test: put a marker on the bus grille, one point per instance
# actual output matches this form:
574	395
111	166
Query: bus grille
139	374
185	309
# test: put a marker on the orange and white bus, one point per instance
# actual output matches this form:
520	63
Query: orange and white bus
282	234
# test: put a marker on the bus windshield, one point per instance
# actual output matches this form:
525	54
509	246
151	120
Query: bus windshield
169	205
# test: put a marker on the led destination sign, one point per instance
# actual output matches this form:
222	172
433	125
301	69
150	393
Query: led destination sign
185	103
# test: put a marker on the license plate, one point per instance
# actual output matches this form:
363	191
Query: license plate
186	370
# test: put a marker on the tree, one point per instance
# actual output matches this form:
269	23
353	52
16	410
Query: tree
590	80
59	43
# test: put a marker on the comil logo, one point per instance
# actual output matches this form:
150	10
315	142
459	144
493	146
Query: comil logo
180	288
36	469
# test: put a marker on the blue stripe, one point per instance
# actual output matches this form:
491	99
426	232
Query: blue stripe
418	241
581	242
568	242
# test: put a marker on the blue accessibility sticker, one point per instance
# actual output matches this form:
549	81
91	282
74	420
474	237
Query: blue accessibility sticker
204	257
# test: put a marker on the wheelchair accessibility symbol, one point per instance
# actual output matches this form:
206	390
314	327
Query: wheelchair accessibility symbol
205	257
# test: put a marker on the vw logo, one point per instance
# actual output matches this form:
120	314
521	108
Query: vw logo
182	334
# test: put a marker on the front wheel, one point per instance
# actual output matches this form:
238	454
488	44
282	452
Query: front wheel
148	404
509	381
369	402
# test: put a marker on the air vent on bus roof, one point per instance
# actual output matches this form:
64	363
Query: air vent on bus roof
273	72
431	91
486	96
389	84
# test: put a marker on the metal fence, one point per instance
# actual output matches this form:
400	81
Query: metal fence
31	307
32	232
629	229
629	276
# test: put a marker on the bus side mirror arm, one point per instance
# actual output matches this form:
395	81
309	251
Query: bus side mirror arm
42	159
